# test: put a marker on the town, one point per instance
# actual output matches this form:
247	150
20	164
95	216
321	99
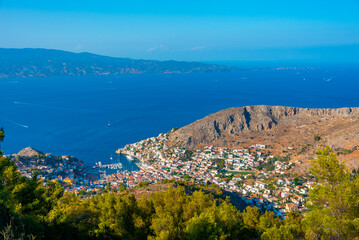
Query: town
259	178
72	173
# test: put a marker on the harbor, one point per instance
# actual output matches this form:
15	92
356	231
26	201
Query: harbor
129	163
112	166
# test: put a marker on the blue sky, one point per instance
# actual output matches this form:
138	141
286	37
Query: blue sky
187	30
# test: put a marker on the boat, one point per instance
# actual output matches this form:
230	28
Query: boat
129	157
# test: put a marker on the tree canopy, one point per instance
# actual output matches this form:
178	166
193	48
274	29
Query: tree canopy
333	201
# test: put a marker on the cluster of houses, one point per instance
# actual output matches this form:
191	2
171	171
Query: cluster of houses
71	172
235	170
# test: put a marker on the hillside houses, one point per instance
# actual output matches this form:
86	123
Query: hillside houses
214	165
235	170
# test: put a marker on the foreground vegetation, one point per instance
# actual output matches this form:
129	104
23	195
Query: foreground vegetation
29	209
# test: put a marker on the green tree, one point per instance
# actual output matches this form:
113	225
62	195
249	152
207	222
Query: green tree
251	217
281	232
230	221
203	227
2	136
220	163
169	206
316	138
333	202
142	218
143	184
293	222
267	221
186	177
121	188
24	202
328	169
187	155
108	187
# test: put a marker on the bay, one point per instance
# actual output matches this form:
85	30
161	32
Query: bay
90	117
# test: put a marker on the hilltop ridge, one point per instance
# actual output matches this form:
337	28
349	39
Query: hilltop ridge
29	152
277	126
48	62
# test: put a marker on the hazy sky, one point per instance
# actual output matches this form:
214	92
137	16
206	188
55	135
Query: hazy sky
187	30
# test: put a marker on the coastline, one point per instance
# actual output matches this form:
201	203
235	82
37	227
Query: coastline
136	160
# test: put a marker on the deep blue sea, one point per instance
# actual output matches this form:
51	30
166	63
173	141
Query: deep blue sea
71	115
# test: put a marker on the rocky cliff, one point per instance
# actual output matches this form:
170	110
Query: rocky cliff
29	152
277	126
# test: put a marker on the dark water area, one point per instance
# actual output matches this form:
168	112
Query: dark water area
127	163
91	117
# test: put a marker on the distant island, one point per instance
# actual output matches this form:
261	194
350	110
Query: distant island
18	63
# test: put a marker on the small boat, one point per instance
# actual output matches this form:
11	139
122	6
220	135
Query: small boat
108	124
130	157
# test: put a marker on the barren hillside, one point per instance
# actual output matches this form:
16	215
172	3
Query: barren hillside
281	128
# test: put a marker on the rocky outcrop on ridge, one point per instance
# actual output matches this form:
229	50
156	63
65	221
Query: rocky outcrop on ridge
270	124
29	152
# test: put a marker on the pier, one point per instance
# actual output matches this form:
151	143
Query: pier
113	166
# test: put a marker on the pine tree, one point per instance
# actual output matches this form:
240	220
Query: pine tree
333	201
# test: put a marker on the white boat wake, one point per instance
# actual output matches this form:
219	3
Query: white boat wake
16	123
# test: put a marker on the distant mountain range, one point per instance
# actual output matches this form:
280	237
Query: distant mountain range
46	62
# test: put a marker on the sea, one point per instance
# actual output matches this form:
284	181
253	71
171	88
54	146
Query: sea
90	117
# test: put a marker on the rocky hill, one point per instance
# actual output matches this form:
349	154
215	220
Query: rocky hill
47	62
301	130
29	152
